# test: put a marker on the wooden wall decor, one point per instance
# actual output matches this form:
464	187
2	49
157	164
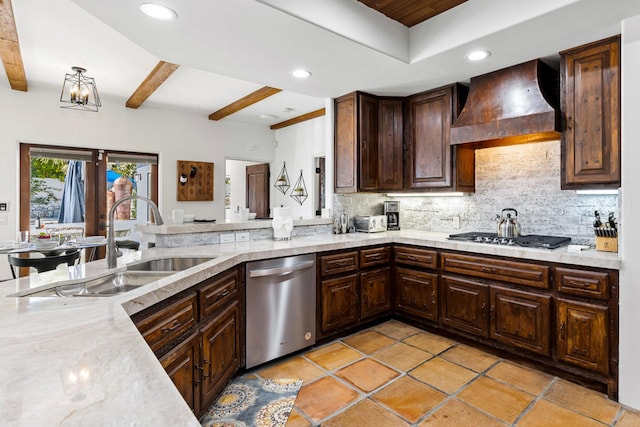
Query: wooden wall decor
195	181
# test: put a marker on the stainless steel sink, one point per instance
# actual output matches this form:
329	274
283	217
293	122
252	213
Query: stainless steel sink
168	264
112	284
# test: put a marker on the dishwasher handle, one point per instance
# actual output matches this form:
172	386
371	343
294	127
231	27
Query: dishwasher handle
277	271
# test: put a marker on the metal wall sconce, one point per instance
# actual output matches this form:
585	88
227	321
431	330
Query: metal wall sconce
282	183
299	192
79	91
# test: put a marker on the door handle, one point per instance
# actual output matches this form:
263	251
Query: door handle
281	270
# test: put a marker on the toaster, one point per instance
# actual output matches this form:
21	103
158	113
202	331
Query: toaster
371	223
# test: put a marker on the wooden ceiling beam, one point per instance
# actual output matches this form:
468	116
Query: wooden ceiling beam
302	118
10	48
161	72
252	98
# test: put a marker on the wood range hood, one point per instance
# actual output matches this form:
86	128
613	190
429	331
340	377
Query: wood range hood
510	106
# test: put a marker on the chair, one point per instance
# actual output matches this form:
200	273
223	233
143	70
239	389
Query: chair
41	264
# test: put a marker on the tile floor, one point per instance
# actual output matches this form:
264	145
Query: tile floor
396	375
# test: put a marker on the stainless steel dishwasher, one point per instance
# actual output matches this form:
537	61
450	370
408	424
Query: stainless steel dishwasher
281	307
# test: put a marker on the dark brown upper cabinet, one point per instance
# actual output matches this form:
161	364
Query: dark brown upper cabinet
368	143
431	163
590	102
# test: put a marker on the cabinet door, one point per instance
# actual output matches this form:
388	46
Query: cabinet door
339	303
464	305
591	104
429	152
345	156
375	290
181	364
416	293
368	143
521	319
583	338
220	352
390	152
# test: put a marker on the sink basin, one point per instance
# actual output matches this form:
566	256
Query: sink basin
112	284
168	264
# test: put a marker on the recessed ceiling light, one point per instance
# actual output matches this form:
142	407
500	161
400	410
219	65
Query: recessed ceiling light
478	55
300	74
158	11
268	116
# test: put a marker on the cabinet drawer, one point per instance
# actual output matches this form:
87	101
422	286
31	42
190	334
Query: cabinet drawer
414	256
520	273
591	284
217	291
375	256
344	262
167	325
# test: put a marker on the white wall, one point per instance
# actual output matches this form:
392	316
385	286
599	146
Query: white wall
630	226
297	146
35	117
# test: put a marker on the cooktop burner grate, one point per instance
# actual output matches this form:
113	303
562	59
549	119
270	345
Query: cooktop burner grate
528	241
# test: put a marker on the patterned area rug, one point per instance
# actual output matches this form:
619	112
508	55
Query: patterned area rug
253	402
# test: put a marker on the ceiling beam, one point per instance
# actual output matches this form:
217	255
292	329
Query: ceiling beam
156	77
302	118
10	48
252	98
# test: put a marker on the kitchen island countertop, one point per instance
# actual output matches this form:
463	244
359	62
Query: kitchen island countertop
81	361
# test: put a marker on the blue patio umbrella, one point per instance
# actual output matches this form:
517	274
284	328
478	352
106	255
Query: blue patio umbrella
72	205
112	176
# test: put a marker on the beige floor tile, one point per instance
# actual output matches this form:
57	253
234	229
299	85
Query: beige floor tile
521	377
334	356
469	357
402	356
396	330
368	341
547	414
365	414
324	397
292	368
443	375
582	400
367	374
458	414
629	419
409	398
500	400
429	342
296	419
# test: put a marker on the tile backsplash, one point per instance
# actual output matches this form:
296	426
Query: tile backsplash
524	177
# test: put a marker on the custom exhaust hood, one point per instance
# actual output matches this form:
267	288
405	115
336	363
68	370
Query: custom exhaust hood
510	106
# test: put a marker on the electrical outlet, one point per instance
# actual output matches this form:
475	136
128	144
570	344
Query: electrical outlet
227	238
4	219
242	237
455	222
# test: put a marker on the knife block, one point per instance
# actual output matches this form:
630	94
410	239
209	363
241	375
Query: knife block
606	244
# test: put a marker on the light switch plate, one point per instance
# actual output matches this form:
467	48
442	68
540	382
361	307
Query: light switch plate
4	219
242	237
456	222
227	238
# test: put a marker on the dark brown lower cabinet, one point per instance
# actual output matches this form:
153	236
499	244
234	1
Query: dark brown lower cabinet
521	319
417	293
181	364
464	305
375	289
220	352
583	338
339	302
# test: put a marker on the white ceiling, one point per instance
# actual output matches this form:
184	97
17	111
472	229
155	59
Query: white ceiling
229	48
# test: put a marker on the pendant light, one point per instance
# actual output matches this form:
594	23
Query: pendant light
79	91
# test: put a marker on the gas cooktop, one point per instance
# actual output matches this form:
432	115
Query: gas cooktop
529	241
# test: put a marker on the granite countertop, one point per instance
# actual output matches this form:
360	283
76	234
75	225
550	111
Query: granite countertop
81	361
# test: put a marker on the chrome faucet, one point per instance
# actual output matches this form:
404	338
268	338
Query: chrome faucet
112	250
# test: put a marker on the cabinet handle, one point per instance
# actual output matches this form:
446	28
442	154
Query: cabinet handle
364	144
222	294
173	327
569	123
493	312
484	310
207	375
562	327
433	298
488	269
575	284
412	258
198	378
